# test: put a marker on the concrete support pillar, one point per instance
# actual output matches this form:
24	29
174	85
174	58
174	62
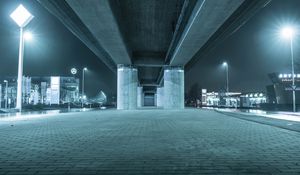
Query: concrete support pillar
173	88
155	99
140	96
160	97
127	87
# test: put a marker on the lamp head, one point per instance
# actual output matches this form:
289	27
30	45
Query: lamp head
21	16
225	64
85	69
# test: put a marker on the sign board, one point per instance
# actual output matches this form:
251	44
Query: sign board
73	71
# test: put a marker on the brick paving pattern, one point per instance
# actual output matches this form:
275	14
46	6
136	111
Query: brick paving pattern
146	142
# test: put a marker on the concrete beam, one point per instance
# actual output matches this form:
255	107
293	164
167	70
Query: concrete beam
149	62
247	10
99	18
201	26
63	12
149	84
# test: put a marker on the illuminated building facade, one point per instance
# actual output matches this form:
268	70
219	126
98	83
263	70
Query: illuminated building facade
280	92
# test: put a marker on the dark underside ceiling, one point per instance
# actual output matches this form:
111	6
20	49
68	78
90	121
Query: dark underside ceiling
148	27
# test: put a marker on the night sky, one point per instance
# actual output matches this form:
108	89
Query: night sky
252	52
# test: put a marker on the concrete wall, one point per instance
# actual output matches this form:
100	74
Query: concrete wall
173	88
127	87
160	97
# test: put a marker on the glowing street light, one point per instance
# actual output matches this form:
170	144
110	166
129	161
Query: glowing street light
22	17
28	36
289	33
227	77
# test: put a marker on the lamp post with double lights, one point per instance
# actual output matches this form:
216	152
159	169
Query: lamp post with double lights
6	88
288	33
83	94
22	17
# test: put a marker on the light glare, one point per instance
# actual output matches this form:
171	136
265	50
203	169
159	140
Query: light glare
28	36
287	32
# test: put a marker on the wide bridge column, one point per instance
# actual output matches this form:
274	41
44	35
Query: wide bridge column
127	87
173	88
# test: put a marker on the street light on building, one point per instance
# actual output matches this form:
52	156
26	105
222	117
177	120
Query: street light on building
227	76
22	17
288	33
73	71
6	97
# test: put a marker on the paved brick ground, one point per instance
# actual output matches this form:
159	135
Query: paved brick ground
146	142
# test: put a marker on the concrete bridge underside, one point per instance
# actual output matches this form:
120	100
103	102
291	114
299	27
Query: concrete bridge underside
149	43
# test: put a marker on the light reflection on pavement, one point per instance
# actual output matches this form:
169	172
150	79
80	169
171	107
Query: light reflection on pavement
290	116
38	114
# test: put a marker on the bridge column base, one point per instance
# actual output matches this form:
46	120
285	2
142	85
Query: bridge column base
173	88
127	87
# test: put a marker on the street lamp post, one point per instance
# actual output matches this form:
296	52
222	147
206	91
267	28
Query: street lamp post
83	95
6	97
73	72
227	76
288	32
22	17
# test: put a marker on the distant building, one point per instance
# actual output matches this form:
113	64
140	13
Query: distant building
225	99
43	90
232	99
252	100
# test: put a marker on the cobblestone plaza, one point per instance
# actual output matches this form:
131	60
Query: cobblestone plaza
152	141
